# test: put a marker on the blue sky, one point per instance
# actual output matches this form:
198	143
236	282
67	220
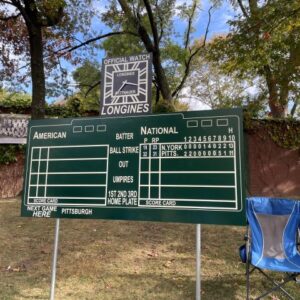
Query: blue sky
218	25
219	18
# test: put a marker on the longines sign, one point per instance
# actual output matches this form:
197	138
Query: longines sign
126	85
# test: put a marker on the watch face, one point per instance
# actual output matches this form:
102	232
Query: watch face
126	81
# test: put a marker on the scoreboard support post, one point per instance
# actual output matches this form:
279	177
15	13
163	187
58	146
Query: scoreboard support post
54	259
198	261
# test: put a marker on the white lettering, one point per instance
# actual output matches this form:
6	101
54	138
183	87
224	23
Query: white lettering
125	109
139	57
124	179
114	201
130	150
154	202
50	135
126	74
124	136
158	130
41	214
77	211
115	60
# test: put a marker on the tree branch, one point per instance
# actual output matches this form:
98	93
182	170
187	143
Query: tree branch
253	6
4	19
161	29
160	20
189	60
190	22
277	22
157	90
294	60
7	2
207	26
52	19
92	87
243	9
293	110
22	10
141	30
152	23
150	47
69	49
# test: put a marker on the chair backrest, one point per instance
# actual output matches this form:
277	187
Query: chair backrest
274	227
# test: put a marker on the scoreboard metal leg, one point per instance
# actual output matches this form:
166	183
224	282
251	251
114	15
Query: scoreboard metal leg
54	260
198	262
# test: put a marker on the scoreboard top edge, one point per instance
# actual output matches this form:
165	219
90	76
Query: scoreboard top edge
190	114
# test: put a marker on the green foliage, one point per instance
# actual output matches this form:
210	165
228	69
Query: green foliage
87	78
14	102
211	85
284	132
261	39
164	107
9	153
122	45
51	23
264	42
18	103
74	107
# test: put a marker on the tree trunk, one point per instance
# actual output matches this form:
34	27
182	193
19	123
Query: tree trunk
297	101
162	81
150	46
277	107
277	110
37	71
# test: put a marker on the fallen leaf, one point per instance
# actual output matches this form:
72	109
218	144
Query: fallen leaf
168	264
152	253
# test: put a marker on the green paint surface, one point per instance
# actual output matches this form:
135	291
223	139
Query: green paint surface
182	167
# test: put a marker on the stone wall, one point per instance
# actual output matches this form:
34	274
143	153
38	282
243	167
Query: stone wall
272	170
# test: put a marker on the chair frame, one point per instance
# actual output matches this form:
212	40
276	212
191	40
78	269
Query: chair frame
290	276
277	286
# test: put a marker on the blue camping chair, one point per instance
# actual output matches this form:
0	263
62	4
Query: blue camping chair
272	241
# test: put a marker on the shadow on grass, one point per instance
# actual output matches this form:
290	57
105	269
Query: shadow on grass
149	287
227	286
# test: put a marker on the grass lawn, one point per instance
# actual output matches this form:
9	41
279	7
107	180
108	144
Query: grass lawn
118	260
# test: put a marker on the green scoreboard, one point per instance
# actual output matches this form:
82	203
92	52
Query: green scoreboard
180	167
